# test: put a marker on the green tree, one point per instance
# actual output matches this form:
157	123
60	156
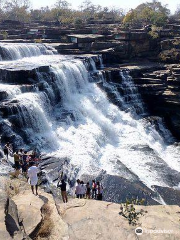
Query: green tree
61	11
36	14
17	10
148	13
130	17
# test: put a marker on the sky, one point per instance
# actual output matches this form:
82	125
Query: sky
126	4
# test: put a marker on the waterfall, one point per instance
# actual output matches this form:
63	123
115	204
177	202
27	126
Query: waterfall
131	95
92	65
101	62
125	93
68	115
19	51
101	136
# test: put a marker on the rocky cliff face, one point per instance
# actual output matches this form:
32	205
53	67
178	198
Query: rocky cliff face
158	85
160	91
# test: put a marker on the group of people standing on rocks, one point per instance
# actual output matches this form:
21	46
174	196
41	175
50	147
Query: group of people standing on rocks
21	158
27	161
82	190
88	191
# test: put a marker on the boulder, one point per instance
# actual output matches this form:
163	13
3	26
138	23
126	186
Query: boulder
39	216
4	234
29	211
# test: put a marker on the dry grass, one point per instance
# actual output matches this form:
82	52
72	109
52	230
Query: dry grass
14	186
47	224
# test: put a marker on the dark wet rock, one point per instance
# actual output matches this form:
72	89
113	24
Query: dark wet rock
4	111
17	77
28	87
9	108
56	167
21	75
3	95
171	196
11	134
15	121
118	189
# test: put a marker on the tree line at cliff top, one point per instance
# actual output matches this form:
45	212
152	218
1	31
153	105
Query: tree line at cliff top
152	12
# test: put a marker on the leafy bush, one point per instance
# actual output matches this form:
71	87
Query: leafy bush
154	33
78	23
5	34
38	40
170	56
128	210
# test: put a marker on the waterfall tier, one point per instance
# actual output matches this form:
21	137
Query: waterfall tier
19	51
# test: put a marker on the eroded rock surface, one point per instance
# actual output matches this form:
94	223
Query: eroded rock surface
90	219
24	215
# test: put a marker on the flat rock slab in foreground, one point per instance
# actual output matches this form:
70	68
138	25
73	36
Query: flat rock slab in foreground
90	219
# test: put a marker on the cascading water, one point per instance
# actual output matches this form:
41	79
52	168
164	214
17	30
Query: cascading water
125	94
9	91
132	97
101	62
18	51
73	118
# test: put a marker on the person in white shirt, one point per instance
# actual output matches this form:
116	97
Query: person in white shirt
83	189
32	174
78	189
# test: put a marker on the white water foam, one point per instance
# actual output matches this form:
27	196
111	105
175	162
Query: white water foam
10	90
